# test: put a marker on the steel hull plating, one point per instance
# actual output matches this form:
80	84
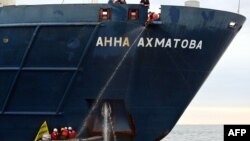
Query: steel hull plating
56	60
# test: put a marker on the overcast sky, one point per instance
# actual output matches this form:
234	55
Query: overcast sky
225	96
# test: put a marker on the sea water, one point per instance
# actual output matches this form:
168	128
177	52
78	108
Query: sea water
196	133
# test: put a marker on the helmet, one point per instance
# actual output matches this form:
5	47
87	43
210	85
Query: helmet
65	128
62	129
55	130
70	128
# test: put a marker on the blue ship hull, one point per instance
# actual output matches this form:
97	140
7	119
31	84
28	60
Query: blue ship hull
57	60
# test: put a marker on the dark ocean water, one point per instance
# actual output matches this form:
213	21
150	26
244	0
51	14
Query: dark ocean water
196	133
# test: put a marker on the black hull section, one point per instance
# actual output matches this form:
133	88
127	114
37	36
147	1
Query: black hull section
56	60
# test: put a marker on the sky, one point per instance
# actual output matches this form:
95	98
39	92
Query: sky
224	98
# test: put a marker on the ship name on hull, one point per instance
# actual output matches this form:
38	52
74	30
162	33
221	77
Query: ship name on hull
148	42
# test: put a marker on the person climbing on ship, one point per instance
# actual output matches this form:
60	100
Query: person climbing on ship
152	16
55	134
72	133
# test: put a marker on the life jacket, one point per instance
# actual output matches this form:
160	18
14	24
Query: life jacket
72	134
65	133
153	16
54	135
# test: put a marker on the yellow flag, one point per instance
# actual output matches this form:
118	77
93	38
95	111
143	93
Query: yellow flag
43	130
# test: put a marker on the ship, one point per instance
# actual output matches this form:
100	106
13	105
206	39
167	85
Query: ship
90	65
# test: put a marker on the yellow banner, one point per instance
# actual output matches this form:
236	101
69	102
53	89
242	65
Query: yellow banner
43	130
